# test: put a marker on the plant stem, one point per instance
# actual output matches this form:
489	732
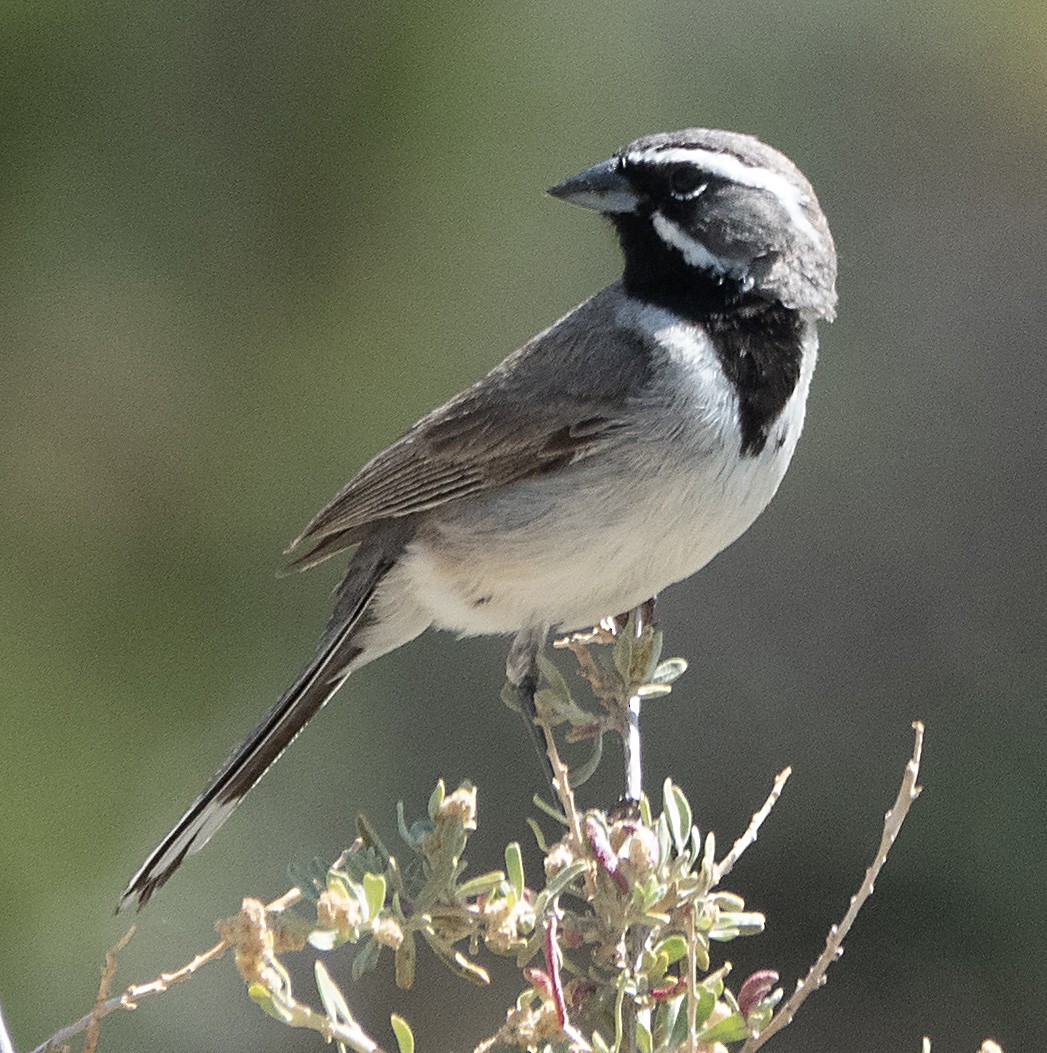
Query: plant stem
631	745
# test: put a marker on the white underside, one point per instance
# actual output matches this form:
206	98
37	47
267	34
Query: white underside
608	532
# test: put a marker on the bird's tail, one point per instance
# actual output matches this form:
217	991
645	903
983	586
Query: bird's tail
338	656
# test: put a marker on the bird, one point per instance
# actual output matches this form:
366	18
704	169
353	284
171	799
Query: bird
612	455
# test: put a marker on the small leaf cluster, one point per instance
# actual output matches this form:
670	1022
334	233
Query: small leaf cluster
651	878
631	874
615	943
369	898
632	668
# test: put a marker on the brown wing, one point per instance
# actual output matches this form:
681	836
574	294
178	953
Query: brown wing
474	444
580	374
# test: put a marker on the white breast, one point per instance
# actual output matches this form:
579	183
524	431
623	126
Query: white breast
602	536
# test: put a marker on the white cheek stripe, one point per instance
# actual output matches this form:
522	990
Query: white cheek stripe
727	166
694	252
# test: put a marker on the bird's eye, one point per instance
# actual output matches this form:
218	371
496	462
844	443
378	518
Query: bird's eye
686	181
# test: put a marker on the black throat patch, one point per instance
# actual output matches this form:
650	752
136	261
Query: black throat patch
761	353
758	341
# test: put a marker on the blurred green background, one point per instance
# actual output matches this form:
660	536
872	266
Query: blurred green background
244	246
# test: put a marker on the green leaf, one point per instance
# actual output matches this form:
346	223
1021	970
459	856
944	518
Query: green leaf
310	877
366	958
334	1002
732	924
654	641
323	939
482	884
470	970
666	1014
673	947
549	702
514	868
706	1003
404	960
623	654
510	696
564	878
670	811
582	772
550	810
647	691
539	837
645	811
554	678
401	826
677	812
656	965
761	1016
644	1039
731	1029
369	836
696	847
416	833
436	799
455	960
404	1036
374	890
664	837
686	819
669	671
263	998
714	981
708	860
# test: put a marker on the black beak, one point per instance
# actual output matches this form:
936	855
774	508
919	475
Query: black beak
603	187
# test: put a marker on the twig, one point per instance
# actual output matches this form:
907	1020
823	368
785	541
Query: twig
563	785
94	1028
129	999
726	865
348	1032
631	749
566	794
639	618
552	967
588	667
6	1045
692	981
907	793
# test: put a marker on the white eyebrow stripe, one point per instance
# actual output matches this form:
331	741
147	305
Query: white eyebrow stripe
788	195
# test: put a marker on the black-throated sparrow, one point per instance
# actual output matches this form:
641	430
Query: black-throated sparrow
612	455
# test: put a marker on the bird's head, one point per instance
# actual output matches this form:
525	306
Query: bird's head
703	214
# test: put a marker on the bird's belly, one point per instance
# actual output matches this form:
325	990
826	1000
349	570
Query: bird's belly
570	550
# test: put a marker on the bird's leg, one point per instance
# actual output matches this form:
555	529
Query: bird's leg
642	616
521	669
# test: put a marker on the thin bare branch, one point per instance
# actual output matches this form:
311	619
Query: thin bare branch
129	999
692	983
552	967
907	793
726	865
94	1029
566	794
348	1032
